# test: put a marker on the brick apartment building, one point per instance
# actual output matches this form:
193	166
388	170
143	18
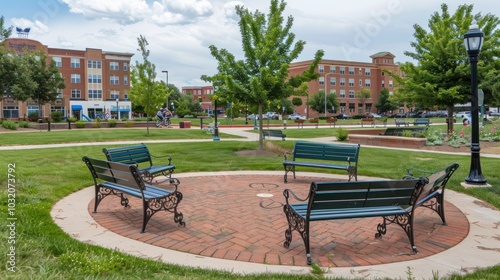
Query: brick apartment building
97	83
343	78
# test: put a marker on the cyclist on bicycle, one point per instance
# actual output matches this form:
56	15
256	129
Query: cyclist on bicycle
159	115
167	114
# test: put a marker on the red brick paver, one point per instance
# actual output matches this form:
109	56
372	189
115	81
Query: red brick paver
228	217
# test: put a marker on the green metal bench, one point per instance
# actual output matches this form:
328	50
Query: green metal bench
401	122
394	200
274	133
434	191
140	156
322	155
421	121
112	178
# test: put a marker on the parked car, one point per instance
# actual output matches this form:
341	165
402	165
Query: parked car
256	116
343	116
296	116
273	115
494	114
375	116
462	114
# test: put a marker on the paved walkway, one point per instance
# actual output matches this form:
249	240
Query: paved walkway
219	234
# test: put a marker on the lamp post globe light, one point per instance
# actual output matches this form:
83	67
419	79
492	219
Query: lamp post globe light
473	41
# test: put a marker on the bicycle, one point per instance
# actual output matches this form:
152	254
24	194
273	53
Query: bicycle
164	122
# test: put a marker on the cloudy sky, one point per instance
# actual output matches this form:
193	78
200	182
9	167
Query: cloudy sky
179	32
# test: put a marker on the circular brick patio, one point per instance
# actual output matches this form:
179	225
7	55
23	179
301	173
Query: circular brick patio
240	217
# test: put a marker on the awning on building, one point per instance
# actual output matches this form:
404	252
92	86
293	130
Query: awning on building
124	110
76	107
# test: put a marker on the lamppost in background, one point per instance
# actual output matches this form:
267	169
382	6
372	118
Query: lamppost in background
473	41
216	125
326	75
166	72
117	109
173	108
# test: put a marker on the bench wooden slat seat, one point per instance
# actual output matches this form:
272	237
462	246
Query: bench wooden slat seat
422	121
433	192
140	156
401	122
113	178
393	200
274	133
323	155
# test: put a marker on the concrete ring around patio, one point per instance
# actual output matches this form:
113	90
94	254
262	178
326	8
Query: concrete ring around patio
235	221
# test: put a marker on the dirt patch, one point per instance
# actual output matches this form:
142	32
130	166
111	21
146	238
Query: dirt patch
258	153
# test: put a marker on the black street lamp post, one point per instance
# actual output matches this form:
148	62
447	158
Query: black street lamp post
216	126
166	72
473	41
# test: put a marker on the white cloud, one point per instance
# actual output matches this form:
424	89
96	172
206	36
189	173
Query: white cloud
121	11
37	27
230	11
64	43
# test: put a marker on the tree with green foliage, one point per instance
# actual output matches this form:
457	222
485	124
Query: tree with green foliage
385	103
145	91
262	76
317	102
4	32
42	81
441	77
363	94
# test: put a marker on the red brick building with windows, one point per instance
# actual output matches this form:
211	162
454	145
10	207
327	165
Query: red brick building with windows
97	83
345	78
202	94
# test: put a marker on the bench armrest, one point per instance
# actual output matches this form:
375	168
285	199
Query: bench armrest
410	173
288	192
167	156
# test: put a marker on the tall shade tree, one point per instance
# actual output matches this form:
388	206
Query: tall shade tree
4	32
145	91
262	76
441	76
44	80
385	103
317	102
363	94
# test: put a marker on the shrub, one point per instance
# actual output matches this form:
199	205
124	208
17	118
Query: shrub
72	119
80	124
112	123
9	125
342	134
24	124
33	117
56	116
96	123
407	133
129	123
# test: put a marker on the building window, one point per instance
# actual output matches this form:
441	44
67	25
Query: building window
76	94
390	83
360	82
321	68
351	94
342	93
95	94
383	73
351	70
342	70
10	112
75	78
332	91
94	64
57	109
360	72
75	63
58	61
342	81
321	80
333	81
383	83
95	79
332	69
125	96
367	72
125	80
125	66
113	65
368	83
351	82
59	93
33	109
114	80
114	94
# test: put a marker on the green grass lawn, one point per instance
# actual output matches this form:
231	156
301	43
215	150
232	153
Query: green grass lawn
44	176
